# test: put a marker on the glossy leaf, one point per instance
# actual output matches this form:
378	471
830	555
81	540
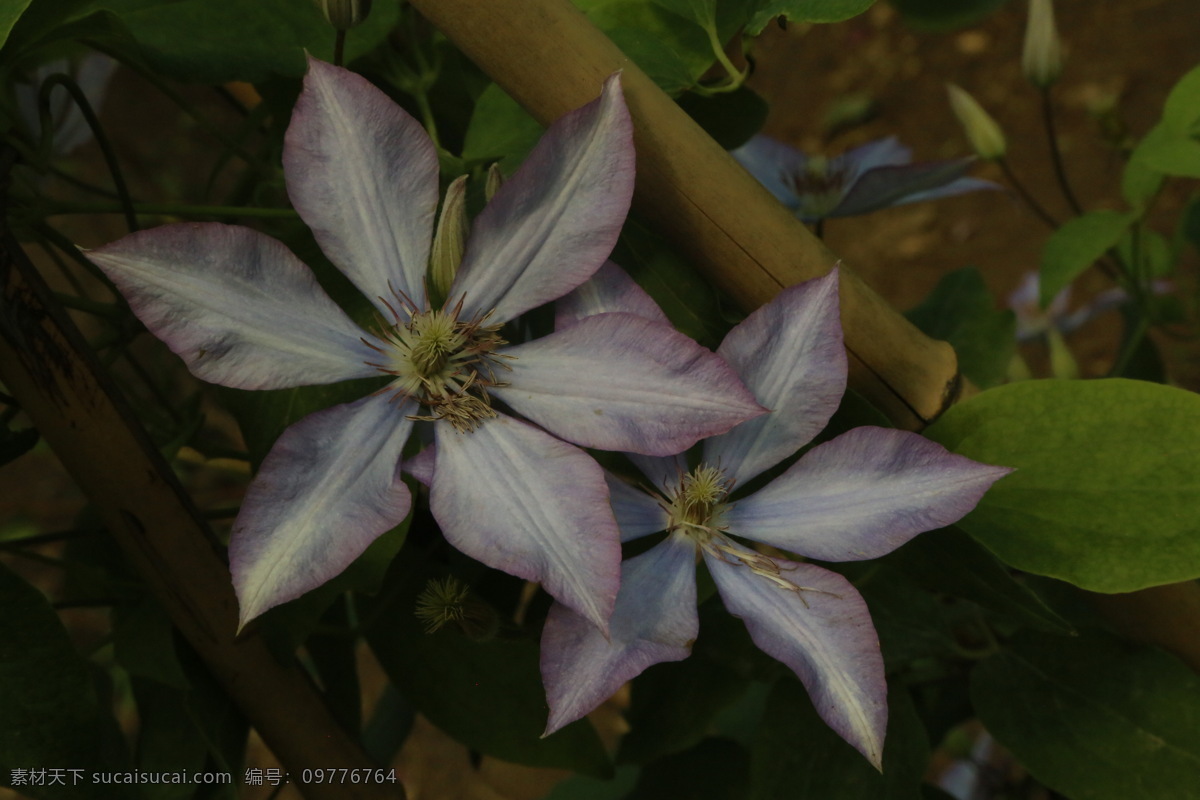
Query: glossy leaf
805	11
1094	718
1107	473
942	15
796	757
9	14
961	311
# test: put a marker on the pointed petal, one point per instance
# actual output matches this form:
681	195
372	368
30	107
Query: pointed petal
328	488
610	289
823	632
664	472
889	186
862	495
236	305
774	165
620	382
885	152
363	175
552	225
638	514
654	621
790	354
521	501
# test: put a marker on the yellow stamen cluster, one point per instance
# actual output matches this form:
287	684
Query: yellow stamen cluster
444	363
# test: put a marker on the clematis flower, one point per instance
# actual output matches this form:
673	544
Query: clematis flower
242	311
877	175
855	497
1035	322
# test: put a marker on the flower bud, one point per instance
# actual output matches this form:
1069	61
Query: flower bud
450	239
495	179
1042	59
344	14
982	131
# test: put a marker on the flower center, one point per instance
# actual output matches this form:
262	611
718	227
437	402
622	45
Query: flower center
443	362
697	506
818	187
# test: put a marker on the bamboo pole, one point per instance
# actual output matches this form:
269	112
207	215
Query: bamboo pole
48	368
551	59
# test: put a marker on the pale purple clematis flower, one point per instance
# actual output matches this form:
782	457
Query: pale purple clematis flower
1035	322
243	312
91	73
858	496
877	175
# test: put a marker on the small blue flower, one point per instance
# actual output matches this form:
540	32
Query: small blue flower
877	175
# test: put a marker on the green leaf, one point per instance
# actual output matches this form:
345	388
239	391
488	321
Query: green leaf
10	12
1078	244
658	60
943	15
805	11
1094	718
949	561
500	130
581	787
1107	475
213	41
674	705
715	769
168	740
960	310
1170	156
701	12
1181	112
51	715
144	643
796	756
486	694
1139	183
689	43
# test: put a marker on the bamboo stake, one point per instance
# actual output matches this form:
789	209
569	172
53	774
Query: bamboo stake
48	368
551	59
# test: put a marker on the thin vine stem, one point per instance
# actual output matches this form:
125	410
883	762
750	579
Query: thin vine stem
1060	172
93	122
1028	198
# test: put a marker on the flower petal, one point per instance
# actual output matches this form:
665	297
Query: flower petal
862	495
638	514
823	632
363	175
236	305
883	187
664	472
775	165
517	499
328	488
885	152
552	225
790	354
654	621
620	382
610	289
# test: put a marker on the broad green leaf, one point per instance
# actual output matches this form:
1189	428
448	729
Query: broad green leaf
688	42
334	655
656	58
1181	112
500	130
1076	246
960	310
10	12
144	643
1170	156
1094	718
1106	481
715	769
701	12
168	740
942	15
949	561
912	624
1139	183
796	756
51	715
486	694
212	41
1153	258
805	11
674	705
1189	224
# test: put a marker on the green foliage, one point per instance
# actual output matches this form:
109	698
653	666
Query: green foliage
1106	477
1172	146
961	311
1077	245
729	117
10	12
805	11
486	694
1094	718
715	769
796	756
51	714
